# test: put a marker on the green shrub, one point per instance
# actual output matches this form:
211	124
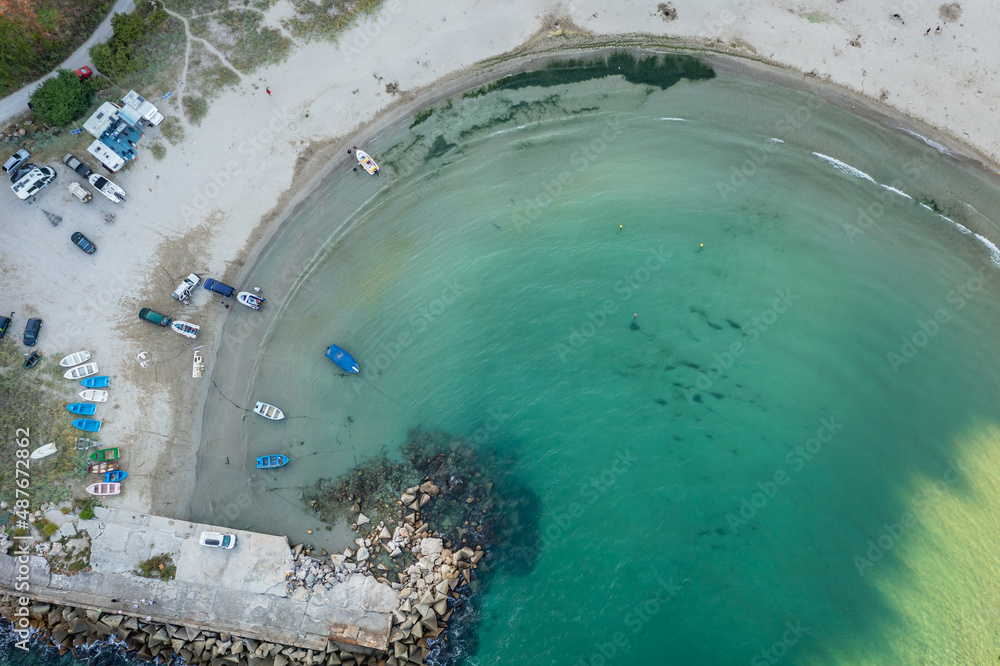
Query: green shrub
48	529
158	150
120	56
48	18
195	108
60	100
87	513
158	566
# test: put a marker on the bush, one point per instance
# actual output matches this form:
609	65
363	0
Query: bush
158	566
87	513
60	100
158	150
119	57
48	529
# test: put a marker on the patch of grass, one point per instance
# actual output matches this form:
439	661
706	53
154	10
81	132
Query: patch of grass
213	80
158	150
172	130
161	567
48	529
816	17
242	38
325	19
195	109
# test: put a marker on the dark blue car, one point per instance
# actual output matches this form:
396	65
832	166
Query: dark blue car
219	288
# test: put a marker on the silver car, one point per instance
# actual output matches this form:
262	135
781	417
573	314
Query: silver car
15	161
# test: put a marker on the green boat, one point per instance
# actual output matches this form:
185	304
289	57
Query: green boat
104	454
32	360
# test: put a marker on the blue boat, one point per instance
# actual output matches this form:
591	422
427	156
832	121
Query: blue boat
90	425
342	358
96	382
270	462
82	408
115	476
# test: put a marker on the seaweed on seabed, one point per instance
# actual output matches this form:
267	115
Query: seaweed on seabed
439	148
661	71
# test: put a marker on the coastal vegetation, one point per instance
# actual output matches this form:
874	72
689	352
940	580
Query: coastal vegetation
161	567
61	99
122	54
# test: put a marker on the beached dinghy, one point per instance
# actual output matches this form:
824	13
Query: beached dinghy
81	371
186	329
252	301
82	444
43	451
269	411
97	382
103	467
342	359
32	360
90	425
104	455
82	408
115	476
94	395
75	359
104	489
271	462
365	160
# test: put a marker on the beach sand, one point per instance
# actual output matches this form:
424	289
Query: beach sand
211	204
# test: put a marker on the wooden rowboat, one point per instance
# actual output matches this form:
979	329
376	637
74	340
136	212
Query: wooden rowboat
104	454
43	451
272	461
82	408
81	371
269	411
104	489
75	359
114	476
96	382
94	395
102	467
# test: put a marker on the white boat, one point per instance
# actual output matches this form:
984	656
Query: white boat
269	411
75	359
81	371
250	300
43	451
198	367
184	328
94	395
107	188
365	160
104	489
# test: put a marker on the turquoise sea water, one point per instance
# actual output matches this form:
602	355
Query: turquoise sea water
788	457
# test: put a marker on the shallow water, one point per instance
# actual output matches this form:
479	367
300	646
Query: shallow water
757	435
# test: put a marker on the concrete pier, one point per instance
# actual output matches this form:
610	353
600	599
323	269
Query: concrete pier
240	591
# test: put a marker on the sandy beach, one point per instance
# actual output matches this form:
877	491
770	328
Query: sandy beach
210	206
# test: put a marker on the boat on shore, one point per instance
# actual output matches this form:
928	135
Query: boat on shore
93	395
268	411
82	408
97	382
43	451
75	359
186	329
81	371
271	462
342	359
32	360
104	455
198	366
104	489
366	161
102	467
82	444
252	301
89	425
114	476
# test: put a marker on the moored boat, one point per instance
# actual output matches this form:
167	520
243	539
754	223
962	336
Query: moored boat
365	160
97	382
114	476
81	371
342	359
75	359
104	489
186	329
268	411
250	300
32	360
103	467
82	408
94	395
198	366
271	462
90	425
82	444
43	451
104	455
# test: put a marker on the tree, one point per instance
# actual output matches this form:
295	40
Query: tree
61	99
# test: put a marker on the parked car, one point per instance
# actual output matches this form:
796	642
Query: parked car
30	183
217	540
183	291
84	73
31	331
83	243
219	288
4	324
70	160
15	161
155	317
81	193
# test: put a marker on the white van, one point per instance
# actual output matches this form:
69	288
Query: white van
30	183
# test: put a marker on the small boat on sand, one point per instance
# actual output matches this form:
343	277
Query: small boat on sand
104	489
82	408
184	328
342	359
252	301
94	395
198	366
102	467
81	371
75	359
43	451
97	382
268	411
90	425
32	360
115	476
82	444
365	160
271	462
104	455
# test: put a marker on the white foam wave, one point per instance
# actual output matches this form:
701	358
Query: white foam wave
926	206
994	250
776	140
933	144
899	192
845	168
961	227
680	120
